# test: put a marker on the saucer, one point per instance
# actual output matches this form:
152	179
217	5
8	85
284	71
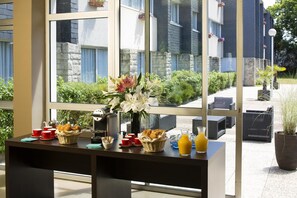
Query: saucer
33	136
126	146
46	139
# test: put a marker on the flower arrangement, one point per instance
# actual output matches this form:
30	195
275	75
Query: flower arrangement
130	94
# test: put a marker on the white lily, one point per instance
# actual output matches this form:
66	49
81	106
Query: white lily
114	102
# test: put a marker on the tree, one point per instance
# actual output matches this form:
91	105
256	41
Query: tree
285	14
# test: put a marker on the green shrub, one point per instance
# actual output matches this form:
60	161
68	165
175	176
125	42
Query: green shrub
79	92
6	90
6	127
6	116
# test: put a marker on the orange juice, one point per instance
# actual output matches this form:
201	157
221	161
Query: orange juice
184	145
201	142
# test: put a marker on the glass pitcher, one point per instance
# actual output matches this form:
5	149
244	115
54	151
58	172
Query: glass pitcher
201	141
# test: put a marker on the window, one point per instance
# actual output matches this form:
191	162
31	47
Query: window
195	21
6	61
94	64
174	12
174	62
215	28
136	4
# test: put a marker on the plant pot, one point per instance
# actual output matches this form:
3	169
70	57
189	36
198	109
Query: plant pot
275	85
264	95
286	151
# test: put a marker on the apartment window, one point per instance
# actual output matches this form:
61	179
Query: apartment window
93	64
174	12
136	4
195	21
215	28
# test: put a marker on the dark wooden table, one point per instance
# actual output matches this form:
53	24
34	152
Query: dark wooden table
30	168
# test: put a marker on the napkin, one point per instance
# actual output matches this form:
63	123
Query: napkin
93	146
29	139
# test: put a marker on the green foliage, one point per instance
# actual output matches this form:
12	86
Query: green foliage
289	111
6	116
79	92
6	127
184	86
285	14
265	76
6	90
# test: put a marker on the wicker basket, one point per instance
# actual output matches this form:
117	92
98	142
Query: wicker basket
67	138
153	146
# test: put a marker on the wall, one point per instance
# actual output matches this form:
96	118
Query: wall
215	13
132	30
29	64
69	62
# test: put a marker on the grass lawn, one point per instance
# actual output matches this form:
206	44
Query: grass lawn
287	80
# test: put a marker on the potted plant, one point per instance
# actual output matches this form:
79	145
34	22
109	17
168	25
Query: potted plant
286	140
96	3
277	69
265	76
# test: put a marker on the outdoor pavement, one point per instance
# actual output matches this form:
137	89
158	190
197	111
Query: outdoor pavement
261	176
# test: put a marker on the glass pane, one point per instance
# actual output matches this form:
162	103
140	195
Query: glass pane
69	6
6	66
176	51
79	60
6	11
82	118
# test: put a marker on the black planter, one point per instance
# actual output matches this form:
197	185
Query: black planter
275	85
286	151
264	95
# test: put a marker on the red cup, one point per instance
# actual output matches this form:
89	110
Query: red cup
46	135
47	128
36	132
53	132
132	135
130	138
137	141
125	142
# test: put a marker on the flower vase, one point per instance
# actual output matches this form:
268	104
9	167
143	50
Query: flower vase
135	123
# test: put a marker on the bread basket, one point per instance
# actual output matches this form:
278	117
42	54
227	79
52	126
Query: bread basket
67	137
153	140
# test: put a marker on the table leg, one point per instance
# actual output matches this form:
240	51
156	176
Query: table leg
105	184
22	180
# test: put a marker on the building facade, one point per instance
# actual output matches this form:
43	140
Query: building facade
257	43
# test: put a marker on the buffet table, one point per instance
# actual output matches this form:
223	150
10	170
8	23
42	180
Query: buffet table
30	168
